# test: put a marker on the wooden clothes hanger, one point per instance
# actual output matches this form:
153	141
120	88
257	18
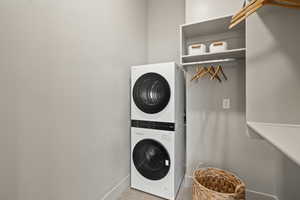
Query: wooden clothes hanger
214	74
203	72
211	72
219	69
286	3
198	72
254	5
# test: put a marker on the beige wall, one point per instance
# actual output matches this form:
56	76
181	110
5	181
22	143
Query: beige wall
164	18
64	65
273	83
273	79
205	9
59	63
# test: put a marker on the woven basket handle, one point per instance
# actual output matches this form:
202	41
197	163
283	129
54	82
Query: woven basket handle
240	189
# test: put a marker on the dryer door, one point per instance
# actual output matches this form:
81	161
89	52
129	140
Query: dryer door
151	159
151	93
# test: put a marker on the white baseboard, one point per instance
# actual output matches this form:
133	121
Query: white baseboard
253	195
116	192
187	181
250	194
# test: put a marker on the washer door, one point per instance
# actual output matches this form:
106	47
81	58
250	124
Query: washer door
151	93
151	159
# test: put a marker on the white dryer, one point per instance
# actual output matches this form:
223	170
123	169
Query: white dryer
157	129
157	93
157	161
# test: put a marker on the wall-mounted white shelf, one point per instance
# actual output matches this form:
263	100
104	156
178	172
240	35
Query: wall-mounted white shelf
210	27
224	56
285	137
207	32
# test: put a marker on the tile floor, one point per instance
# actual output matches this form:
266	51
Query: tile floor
131	194
183	194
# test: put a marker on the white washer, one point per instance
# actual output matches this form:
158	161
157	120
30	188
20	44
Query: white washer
157	92
157	161
157	129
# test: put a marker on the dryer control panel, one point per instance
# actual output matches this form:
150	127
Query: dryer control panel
166	126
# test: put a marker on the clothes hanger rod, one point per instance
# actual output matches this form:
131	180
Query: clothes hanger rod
209	61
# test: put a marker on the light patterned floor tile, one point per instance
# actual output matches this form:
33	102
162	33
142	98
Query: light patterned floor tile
131	194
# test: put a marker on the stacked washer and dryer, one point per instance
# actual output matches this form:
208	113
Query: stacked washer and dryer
157	129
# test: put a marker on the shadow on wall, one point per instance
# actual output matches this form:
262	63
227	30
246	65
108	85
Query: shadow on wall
284	28
212	130
289	180
9	155
9	128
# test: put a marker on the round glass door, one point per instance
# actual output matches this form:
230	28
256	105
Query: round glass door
151	159
151	93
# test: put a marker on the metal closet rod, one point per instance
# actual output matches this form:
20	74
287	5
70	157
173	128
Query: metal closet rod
210	62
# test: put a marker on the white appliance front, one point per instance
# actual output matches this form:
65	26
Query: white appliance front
152	162
152	92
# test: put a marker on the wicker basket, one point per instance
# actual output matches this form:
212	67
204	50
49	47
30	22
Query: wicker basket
216	184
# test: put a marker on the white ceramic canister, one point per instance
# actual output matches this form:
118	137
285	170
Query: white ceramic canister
218	46
197	49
